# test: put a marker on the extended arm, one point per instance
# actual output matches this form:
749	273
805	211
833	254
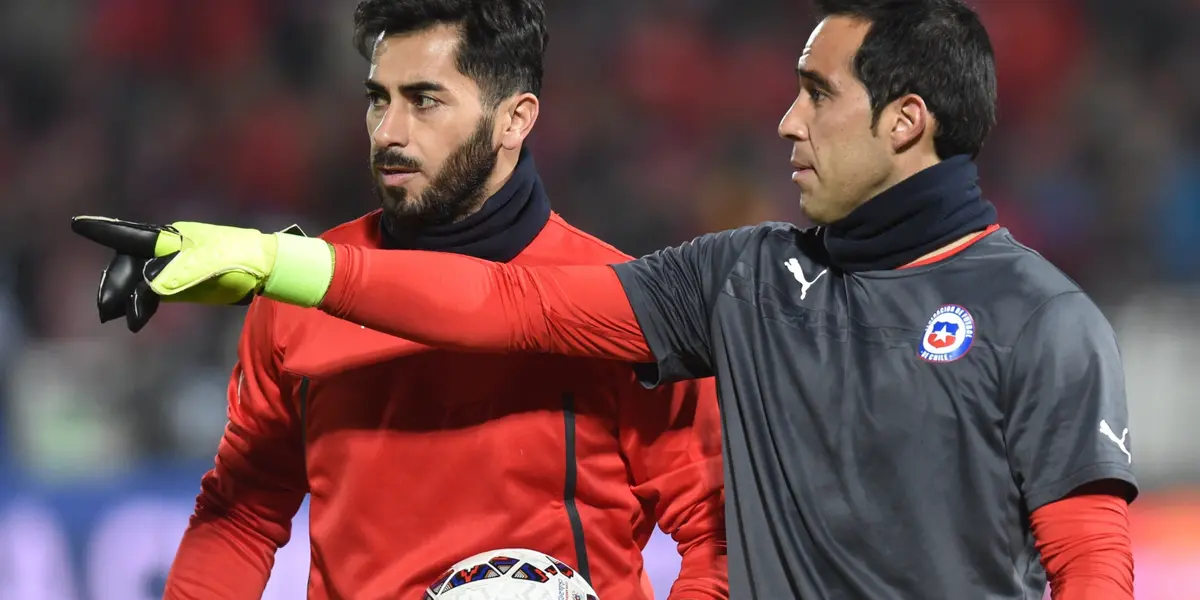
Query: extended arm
463	303
657	309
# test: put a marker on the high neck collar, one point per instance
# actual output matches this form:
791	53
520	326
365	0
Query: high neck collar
506	223
917	216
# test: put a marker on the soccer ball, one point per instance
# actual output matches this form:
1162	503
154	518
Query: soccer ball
510	574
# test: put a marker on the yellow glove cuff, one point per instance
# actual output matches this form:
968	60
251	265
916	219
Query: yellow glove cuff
302	272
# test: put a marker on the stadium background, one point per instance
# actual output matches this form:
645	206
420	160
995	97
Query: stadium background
658	124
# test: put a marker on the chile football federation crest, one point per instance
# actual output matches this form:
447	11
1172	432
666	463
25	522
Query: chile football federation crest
948	335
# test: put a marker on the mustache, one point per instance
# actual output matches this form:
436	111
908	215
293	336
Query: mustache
394	160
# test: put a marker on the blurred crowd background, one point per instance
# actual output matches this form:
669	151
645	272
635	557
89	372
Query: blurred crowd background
658	123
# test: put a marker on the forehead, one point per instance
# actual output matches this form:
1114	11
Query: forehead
831	47
425	55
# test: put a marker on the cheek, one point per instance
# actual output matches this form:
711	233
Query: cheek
432	157
434	147
834	144
848	141
851	162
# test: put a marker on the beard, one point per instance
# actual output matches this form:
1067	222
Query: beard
454	192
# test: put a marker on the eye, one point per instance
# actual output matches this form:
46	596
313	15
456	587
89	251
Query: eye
423	101
375	99
816	95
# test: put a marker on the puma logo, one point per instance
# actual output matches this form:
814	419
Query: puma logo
793	265
1119	441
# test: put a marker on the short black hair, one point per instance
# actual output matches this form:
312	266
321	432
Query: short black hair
936	49
503	41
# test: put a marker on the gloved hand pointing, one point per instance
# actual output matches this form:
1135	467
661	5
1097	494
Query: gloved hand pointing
204	264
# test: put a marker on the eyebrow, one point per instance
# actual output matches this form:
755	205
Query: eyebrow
415	87
816	78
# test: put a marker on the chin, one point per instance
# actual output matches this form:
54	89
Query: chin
821	217
815	220
398	197
813	212
406	208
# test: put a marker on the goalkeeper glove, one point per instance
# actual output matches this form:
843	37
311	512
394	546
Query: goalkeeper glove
204	264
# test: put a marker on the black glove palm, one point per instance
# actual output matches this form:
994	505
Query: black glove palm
125	288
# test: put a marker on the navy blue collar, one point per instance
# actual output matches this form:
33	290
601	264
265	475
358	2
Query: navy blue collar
507	222
917	216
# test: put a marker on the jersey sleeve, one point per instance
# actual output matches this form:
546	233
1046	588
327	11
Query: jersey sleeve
673	293
466	304
1066	421
246	503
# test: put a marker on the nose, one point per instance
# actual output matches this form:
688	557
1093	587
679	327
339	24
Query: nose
392	129
792	126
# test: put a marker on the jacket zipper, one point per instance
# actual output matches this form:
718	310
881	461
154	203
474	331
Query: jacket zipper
572	473
302	401
569	490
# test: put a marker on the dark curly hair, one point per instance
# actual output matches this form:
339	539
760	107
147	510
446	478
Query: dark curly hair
503	41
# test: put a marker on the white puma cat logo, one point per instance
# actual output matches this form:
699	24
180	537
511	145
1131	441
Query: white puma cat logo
793	265
1119	441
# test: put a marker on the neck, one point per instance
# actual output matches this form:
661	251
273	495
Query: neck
503	225
925	214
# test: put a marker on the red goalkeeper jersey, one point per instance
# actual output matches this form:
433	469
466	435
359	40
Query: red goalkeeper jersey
417	458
